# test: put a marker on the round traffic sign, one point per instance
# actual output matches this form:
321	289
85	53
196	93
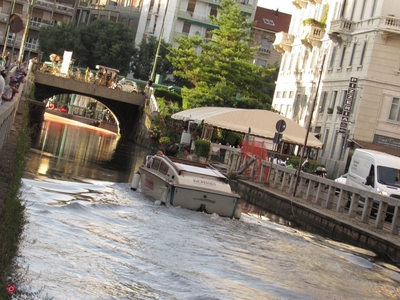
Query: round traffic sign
280	126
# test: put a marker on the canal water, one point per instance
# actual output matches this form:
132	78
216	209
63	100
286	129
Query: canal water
89	236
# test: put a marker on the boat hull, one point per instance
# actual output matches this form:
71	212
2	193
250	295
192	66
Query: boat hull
189	197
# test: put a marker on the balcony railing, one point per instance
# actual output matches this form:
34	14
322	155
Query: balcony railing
37	24
55	6
389	25
313	35
264	50
283	41
341	26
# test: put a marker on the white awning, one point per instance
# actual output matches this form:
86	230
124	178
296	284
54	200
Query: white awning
262	123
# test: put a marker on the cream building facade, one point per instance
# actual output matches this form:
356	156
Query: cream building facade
177	17
341	67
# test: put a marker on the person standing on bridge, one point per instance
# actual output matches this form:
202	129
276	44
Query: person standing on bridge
8	93
2	81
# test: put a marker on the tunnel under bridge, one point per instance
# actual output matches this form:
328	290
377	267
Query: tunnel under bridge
126	107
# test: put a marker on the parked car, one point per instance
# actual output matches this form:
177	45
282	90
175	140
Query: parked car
341	179
128	86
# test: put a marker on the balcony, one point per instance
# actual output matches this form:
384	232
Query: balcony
313	33
264	50
388	26
300	4
283	42
340	29
38	25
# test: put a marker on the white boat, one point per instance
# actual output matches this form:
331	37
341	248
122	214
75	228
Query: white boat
188	184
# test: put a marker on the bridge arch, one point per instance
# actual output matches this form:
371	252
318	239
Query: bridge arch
127	107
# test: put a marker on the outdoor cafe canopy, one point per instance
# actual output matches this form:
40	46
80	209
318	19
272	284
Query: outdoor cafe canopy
262	123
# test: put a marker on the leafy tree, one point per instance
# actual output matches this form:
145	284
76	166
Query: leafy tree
102	42
222	75
57	39
142	63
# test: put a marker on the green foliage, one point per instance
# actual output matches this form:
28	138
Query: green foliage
168	95
202	148
223	70
311	21
102	42
142	62
164	140
13	218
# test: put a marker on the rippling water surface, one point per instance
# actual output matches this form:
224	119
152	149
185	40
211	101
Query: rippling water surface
100	240
89	236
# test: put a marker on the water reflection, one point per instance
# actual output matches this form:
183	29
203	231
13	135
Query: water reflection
66	149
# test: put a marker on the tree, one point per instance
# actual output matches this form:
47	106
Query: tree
142	63
102	42
57	39
223	74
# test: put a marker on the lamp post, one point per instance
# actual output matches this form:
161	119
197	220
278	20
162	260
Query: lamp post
26	31
7	33
308	128
155	59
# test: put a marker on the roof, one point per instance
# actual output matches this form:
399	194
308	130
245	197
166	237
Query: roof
261	123
381	148
272	20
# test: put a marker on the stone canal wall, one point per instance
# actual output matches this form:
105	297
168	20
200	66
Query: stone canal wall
310	217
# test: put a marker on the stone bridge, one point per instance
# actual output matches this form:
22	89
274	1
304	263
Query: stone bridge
126	107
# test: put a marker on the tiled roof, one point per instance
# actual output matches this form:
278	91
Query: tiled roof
272	20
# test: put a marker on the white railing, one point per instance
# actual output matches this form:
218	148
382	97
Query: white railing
356	203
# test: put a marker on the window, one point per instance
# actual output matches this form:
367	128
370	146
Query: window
344	98
296	106
155	163
325	141
333	57
213	12
324	96
363	53
352	53
342	57
334	145
268	22
284	94
373	8
362	10
163	168
265	45
394	114
191	5
278	94
208	33
261	63
186	28
333	101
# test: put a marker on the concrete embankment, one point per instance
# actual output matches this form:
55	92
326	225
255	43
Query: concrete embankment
313	218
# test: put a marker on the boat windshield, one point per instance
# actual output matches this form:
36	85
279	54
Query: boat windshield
389	176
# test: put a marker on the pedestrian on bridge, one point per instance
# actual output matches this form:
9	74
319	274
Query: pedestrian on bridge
8	93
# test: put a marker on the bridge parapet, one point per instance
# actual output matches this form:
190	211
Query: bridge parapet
72	86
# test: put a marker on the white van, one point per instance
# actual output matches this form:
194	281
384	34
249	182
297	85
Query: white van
376	172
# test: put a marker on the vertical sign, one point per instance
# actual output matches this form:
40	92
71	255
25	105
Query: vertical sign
347	104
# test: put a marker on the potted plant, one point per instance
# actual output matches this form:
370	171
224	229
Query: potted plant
330	110
164	141
202	149
314	22
339	109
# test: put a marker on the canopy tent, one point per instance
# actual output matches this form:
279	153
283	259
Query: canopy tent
262	123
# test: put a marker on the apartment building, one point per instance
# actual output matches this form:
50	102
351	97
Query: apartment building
42	13
341	67
50	13
177	17
267	23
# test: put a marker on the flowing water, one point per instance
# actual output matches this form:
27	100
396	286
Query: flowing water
89	236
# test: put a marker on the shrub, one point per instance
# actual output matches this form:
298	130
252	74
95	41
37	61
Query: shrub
202	148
